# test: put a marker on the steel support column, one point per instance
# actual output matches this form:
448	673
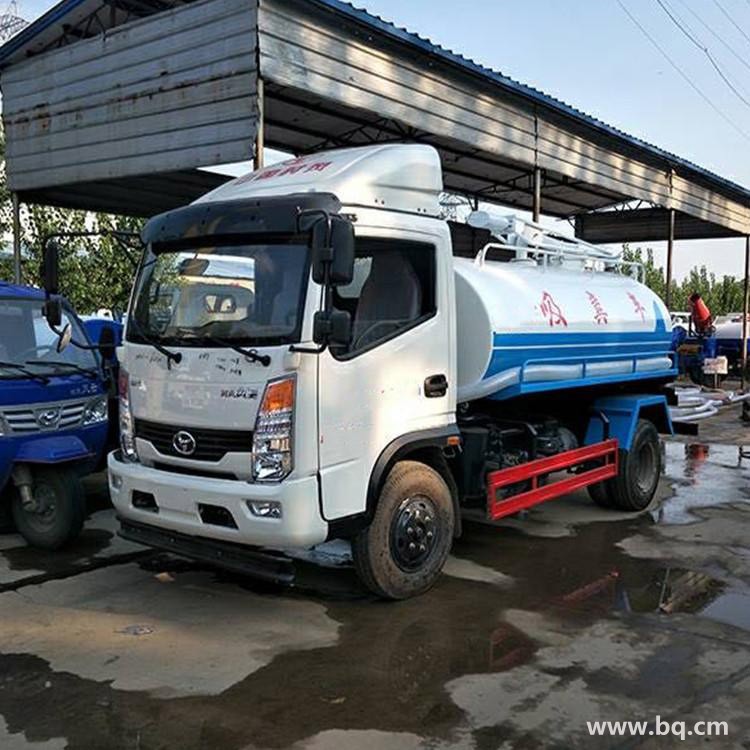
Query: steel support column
260	135
16	207
537	205
745	306
670	249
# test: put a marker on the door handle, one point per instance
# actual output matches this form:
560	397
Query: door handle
435	386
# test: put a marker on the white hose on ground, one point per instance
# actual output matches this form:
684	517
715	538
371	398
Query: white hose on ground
695	403
696	416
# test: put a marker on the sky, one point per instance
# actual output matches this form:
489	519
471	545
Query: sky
590	54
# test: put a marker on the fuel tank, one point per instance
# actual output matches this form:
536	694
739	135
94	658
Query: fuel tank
523	327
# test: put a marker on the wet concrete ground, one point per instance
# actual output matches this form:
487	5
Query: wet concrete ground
564	615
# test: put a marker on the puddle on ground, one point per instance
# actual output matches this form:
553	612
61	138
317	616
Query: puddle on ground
730	608
699	477
390	664
400	667
89	544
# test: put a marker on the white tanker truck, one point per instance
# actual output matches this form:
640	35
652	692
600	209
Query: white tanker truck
306	359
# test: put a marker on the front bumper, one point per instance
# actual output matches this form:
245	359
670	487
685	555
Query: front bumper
178	497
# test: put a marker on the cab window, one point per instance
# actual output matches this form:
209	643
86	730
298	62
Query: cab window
393	289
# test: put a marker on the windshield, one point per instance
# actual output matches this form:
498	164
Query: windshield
246	294
26	339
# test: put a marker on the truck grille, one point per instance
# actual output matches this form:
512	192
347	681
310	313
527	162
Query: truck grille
44	417
210	445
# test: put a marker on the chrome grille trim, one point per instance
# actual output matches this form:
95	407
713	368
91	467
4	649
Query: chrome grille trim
24	420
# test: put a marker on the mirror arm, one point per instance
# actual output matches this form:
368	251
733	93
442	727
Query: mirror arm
73	342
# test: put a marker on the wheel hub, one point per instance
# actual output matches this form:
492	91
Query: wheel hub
42	515
414	532
646	462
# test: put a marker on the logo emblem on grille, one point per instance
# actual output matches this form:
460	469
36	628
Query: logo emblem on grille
184	443
48	417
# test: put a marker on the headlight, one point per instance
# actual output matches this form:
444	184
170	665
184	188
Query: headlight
127	434
95	411
272	439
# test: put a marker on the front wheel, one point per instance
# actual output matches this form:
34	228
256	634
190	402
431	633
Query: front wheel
401	553
60	508
6	517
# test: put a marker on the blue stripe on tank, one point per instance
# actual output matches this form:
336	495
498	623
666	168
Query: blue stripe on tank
560	347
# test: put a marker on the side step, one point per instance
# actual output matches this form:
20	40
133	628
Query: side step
235	557
604	454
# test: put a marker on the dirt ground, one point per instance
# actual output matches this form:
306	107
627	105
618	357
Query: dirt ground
559	616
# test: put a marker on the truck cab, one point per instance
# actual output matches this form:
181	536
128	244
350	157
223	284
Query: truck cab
289	371
53	419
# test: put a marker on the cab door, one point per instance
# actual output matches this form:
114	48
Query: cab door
396	376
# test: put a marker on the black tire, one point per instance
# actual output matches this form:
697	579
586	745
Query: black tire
635	485
599	494
414	497
61	491
6	516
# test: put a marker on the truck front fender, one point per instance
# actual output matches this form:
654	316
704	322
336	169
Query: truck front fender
53	450
617	417
409	445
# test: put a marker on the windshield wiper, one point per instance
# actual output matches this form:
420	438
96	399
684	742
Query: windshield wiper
251	354
171	356
89	371
25	371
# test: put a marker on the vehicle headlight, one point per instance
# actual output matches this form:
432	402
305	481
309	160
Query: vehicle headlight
127	433
95	411
272	438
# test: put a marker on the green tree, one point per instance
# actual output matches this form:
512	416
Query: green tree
722	296
94	271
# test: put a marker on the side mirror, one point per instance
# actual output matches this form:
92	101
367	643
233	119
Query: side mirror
63	340
107	343
333	328
51	268
336	256
342	242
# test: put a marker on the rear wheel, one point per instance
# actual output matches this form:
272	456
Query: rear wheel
598	493
401	553
635	485
59	513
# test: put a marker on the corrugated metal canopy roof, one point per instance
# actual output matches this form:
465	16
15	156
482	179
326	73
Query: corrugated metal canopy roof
299	118
534	95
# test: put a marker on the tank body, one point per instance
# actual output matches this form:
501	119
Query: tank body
524	328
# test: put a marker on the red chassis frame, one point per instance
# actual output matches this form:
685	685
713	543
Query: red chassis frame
532	470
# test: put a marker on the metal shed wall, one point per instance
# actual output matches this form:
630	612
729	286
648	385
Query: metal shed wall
169	92
487	136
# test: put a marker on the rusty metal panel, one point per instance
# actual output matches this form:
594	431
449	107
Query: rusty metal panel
319	60
580	158
694	199
300	52
169	92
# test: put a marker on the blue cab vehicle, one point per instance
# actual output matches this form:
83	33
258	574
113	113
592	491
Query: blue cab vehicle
53	417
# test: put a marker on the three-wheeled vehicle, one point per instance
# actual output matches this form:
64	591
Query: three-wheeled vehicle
54	389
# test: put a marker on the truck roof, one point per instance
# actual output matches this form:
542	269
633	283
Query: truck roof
402	176
18	290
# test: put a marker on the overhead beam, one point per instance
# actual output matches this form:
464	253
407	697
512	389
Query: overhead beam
670	250
16	206
644	225
536	206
